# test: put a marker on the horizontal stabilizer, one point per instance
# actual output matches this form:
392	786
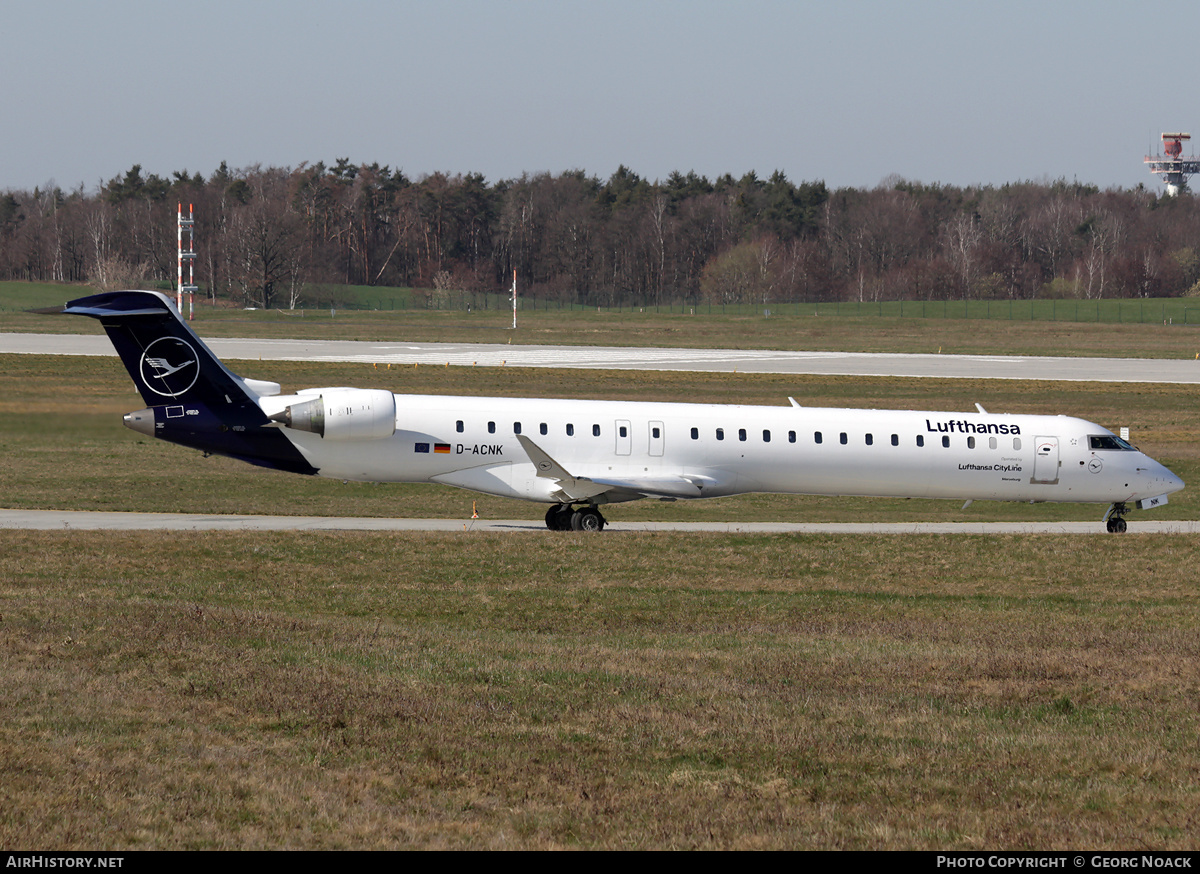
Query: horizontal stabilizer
261	387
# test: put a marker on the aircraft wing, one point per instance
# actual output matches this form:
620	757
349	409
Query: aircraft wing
572	488
582	488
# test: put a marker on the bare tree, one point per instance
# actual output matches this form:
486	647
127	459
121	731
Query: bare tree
963	237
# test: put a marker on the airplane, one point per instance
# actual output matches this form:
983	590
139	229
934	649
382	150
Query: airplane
578	455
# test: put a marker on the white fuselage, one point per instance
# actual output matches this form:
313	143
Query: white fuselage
578	454
707	450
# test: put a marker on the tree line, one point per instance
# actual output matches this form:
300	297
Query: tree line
264	235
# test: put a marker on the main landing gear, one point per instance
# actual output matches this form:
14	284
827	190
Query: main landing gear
564	517
1114	519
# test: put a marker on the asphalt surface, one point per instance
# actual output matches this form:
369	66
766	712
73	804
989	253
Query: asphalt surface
633	358
69	520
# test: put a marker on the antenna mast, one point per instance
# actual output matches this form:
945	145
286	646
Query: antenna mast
186	226
514	298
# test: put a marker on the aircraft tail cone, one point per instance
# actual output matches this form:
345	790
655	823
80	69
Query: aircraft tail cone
142	421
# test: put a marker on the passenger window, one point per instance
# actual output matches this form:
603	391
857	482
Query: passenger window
870	439
766	436
720	433
542	428
843	438
695	433
816	437
791	436
946	441
458	426
920	439
624	431
991	443
595	430
1016	443
655	433
570	430
970	442
895	439
491	427
516	427
742	434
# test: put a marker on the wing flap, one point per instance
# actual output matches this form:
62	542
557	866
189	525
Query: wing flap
572	487
664	486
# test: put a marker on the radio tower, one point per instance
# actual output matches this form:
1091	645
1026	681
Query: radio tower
186	226
1173	168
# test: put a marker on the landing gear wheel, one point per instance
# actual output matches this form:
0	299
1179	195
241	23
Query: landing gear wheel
1114	519
558	517
587	519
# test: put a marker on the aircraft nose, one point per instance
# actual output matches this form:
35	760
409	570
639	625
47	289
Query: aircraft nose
1160	479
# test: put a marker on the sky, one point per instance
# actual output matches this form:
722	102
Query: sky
853	93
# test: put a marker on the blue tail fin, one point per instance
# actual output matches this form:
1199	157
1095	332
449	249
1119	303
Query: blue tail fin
193	398
168	362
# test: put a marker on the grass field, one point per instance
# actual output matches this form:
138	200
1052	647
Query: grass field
633	691
641	691
845	327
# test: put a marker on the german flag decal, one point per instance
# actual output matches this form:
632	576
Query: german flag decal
442	448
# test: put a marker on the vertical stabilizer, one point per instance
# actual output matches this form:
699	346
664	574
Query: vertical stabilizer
191	397
165	358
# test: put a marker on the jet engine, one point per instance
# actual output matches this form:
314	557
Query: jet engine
343	414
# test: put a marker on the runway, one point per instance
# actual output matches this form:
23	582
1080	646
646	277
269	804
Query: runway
73	520
1185	371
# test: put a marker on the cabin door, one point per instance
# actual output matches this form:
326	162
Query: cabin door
1045	460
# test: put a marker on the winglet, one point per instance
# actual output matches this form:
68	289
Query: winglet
546	466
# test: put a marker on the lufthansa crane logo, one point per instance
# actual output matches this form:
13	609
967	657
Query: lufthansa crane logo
170	367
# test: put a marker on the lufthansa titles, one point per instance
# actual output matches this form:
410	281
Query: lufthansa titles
962	426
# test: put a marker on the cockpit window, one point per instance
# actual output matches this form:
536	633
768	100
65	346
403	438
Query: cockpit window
1108	441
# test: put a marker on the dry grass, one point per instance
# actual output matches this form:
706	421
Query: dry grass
632	691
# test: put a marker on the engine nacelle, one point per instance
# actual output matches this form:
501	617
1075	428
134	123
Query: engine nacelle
343	414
